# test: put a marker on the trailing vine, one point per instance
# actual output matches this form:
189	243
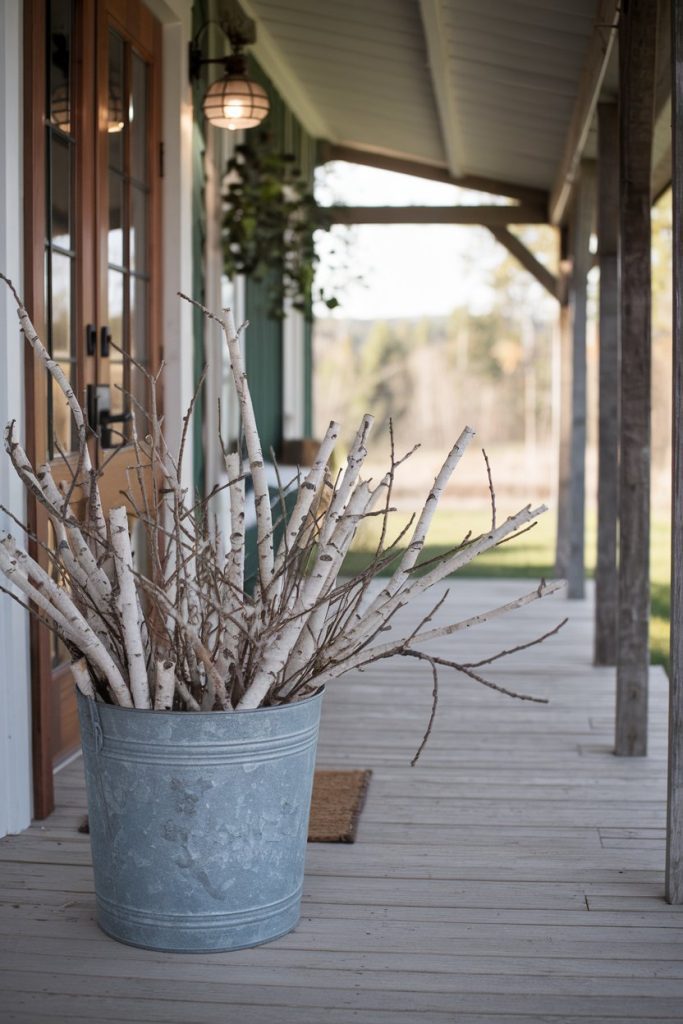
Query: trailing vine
269	217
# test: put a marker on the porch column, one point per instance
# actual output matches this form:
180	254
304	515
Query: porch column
674	824
563	396
584	208
637	33
608	427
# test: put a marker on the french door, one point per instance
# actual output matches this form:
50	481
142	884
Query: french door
93	170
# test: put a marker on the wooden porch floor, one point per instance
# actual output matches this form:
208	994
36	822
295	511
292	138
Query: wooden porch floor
514	875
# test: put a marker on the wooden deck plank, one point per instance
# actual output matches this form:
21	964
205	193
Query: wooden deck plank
515	874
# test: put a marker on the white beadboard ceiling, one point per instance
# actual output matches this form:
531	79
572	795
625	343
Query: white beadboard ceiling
483	87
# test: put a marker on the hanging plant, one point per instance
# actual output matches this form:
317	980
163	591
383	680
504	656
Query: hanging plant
269	217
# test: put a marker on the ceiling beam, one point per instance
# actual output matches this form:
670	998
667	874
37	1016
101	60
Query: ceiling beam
439	66
597	58
496	216
285	79
328	151
526	258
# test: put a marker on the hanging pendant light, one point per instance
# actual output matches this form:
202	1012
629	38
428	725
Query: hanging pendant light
235	101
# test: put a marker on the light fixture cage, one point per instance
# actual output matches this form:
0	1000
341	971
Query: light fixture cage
235	102
116	119
60	108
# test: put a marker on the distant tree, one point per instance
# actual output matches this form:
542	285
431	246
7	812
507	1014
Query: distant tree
383	383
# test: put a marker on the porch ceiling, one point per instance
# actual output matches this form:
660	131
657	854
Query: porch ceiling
481	87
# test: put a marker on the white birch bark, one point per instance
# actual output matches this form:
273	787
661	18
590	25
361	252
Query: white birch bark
233	465
214	683
361	503
36	584
305	498
233	601
380	651
264	518
76	556
421	530
165	688
372	622
279	650
82	678
128	608
58	375
354	463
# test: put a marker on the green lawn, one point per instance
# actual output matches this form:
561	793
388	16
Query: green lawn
531	555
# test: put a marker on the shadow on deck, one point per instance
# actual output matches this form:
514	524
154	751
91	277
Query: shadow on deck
515	874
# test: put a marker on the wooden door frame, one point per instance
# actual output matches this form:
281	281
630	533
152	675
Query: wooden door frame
133	17
35	425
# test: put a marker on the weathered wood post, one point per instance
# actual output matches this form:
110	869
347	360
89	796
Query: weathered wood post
564	342
637	35
584	211
606	580
674	824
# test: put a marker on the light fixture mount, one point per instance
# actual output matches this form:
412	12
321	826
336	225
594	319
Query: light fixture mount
233	101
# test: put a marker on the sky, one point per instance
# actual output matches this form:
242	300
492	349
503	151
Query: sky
406	270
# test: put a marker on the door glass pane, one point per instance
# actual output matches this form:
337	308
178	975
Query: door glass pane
62	299
119	402
138	230
60	191
58	79
117	320
60	241
61	417
138	115
128	240
115	236
116	106
138	299
116	307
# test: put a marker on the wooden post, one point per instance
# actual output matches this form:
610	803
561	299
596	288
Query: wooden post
637	34
606	580
674	824
564	397
584	210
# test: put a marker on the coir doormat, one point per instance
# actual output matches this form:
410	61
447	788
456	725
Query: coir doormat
338	798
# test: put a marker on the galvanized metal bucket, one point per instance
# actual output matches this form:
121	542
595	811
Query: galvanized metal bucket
198	822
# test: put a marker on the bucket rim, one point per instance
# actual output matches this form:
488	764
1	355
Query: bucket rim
101	706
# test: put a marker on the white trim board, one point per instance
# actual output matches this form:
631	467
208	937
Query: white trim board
15	679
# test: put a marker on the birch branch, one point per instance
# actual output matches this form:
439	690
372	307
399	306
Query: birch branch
165	688
82	678
382	651
128	608
264	521
58	375
306	496
57	605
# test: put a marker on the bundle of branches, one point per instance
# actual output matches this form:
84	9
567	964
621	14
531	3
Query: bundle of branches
186	634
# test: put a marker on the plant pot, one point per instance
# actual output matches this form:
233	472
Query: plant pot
198	822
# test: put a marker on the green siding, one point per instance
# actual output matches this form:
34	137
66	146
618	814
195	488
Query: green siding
280	132
264	364
264	345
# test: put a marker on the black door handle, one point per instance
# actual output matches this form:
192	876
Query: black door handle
90	339
105	420
100	418
105	341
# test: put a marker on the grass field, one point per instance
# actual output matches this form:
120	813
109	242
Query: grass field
529	556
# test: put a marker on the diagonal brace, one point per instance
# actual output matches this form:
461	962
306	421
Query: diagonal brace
519	250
